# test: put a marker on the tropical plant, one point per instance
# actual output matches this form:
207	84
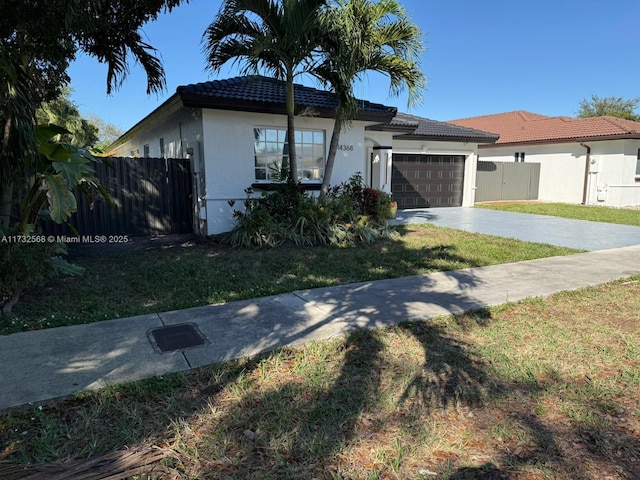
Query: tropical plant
38	40
27	258
360	36
63	112
61	168
351	212
276	37
363	200
28	261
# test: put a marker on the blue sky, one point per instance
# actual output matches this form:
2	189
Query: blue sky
481	57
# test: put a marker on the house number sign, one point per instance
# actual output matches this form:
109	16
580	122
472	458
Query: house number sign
345	147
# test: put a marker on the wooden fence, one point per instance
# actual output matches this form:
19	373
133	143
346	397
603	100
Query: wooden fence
152	196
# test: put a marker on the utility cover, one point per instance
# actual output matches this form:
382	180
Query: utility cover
176	337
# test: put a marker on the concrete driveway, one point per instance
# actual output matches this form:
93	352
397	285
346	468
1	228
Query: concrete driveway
563	232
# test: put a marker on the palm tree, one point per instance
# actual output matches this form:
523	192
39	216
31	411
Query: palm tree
277	37
38	40
361	36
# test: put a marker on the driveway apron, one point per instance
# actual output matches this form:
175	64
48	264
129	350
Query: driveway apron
579	234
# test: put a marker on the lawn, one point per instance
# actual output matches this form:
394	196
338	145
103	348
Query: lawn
544	388
578	212
121	281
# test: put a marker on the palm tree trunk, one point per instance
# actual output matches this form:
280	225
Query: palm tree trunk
331	157
291	132
8	304
6	198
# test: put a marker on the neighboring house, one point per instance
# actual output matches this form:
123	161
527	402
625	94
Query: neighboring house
235	133
593	161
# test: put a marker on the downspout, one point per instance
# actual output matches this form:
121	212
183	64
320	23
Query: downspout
586	173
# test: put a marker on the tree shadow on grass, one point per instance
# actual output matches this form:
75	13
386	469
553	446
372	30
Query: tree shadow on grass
305	434
272	432
118	417
488	471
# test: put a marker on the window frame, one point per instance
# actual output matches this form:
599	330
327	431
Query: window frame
311	149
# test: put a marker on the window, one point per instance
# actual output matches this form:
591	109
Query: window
146	151
161	147
638	164
272	153
519	157
135	153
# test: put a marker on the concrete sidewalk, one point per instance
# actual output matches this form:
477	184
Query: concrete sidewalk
47	364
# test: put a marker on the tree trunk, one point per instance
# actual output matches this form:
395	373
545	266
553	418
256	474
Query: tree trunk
331	157
291	132
6	198
7	306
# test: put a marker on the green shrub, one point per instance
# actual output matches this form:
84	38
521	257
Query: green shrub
364	200
350	213
23	266
26	264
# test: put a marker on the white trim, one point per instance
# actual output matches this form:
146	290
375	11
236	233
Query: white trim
427	151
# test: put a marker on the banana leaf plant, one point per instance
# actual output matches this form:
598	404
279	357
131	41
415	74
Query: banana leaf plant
61	170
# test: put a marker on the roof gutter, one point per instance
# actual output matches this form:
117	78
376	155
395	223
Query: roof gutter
586	173
596	138
447	138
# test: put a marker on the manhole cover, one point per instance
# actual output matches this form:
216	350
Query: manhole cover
176	337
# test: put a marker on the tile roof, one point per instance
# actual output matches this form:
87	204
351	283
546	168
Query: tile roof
413	127
263	94
527	127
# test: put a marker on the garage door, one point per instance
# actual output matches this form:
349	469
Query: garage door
427	180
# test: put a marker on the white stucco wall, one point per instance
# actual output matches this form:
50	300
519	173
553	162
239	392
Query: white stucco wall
617	177
377	172
469	150
222	143
229	143
611	177
179	130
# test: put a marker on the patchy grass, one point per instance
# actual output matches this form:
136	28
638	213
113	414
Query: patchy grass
127	283
545	388
579	212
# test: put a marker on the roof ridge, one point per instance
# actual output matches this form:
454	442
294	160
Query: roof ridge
514	127
524	114
623	123
244	79
268	94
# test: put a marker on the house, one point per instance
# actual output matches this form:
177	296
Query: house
234	131
592	161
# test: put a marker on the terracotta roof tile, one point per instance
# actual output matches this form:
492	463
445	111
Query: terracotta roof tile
527	127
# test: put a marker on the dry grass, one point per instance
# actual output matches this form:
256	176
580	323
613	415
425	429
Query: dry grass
539	389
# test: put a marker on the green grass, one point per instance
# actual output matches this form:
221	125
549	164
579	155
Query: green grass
200	273
578	212
544	388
